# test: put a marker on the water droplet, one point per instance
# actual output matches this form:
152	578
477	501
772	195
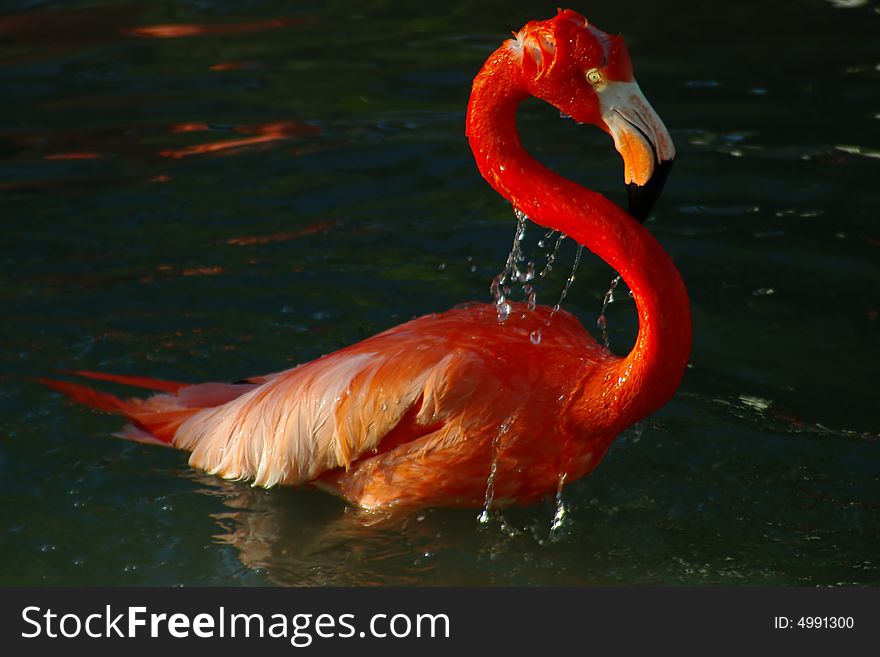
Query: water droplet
637	430
528	274
551	258
531	296
535	336
495	287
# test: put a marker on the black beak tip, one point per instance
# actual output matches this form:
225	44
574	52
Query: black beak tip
642	198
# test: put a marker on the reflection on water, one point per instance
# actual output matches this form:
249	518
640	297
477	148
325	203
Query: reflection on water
307	540
204	191
298	538
262	134
134	143
62	28
175	31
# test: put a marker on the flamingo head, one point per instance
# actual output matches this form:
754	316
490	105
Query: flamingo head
587	74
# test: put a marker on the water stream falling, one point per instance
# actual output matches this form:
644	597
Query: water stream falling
570	281
517	269
602	322
551	257
560	512
485	515
512	272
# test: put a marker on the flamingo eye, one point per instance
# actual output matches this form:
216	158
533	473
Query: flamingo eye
594	76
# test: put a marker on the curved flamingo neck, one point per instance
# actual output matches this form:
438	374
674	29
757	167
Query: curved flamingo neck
624	390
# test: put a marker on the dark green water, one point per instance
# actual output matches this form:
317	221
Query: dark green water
363	209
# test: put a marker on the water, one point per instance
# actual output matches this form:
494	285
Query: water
571	278
551	255
212	206
497	446
501	284
602	322
560	511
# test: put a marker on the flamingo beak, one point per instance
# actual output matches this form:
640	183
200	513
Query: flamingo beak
641	139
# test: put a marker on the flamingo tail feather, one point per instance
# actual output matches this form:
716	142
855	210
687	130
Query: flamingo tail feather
157	418
135	381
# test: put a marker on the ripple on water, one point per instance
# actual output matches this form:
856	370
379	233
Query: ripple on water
720	209
859	150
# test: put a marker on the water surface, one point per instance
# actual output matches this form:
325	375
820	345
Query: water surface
205	191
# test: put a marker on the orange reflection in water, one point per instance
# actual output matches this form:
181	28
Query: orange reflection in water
202	271
135	144
48	32
262	134
177	30
311	229
72	156
189	127
233	66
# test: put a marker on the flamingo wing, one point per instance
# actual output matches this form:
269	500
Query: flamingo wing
328	413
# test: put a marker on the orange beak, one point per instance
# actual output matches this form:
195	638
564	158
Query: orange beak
642	141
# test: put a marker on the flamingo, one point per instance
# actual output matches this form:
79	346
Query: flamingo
462	408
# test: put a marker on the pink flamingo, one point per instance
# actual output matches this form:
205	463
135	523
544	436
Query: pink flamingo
428	412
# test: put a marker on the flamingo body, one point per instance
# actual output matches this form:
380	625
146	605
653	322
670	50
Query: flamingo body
463	407
417	415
